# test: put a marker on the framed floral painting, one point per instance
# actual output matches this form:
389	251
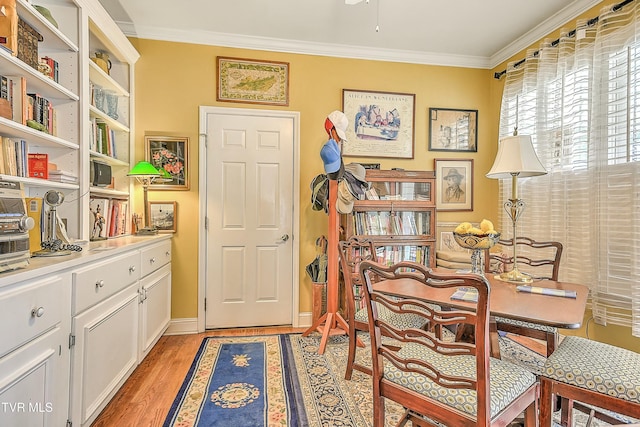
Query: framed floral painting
171	155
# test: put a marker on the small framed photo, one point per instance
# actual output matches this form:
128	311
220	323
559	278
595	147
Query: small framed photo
172	155
454	184
252	81
163	216
453	130
381	124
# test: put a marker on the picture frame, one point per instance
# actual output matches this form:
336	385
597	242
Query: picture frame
163	216
454	184
381	124
453	130
252	81
171	154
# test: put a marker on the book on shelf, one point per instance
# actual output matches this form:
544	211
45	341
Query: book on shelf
38	165
19	98
59	175
5	98
14	152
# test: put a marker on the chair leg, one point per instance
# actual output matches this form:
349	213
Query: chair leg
378	411
351	355
531	415
566	411
546	402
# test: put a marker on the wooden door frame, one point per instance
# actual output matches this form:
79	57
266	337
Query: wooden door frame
202	193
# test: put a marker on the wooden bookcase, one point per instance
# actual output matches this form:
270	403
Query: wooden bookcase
398	215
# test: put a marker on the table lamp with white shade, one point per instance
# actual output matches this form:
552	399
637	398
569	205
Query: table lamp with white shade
145	173
516	158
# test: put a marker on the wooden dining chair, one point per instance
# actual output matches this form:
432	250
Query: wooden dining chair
352	252
543	262
583	371
446	381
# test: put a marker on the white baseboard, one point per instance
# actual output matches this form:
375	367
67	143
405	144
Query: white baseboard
182	326
305	319
190	325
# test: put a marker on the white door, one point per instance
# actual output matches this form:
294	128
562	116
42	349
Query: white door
249	209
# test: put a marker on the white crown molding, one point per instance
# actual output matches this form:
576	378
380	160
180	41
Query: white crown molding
555	22
361	52
300	47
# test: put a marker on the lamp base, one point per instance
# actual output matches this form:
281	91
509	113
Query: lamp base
514	276
147	231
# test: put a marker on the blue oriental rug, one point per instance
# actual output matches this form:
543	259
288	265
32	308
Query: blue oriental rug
239	381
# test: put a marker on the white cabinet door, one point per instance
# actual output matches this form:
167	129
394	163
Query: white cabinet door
105	353
34	382
155	310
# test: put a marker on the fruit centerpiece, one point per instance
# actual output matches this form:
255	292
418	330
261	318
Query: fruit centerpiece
476	239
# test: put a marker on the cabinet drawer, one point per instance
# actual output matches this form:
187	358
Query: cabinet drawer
155	257
100	280
30	309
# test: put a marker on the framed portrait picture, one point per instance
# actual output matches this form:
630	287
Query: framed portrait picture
453	130
252	81
172	155
163	216
454	184
381	124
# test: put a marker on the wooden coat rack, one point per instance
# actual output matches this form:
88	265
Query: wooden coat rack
331	323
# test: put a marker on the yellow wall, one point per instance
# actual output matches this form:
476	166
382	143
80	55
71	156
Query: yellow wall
174	79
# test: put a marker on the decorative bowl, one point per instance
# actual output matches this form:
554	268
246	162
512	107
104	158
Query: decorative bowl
476	241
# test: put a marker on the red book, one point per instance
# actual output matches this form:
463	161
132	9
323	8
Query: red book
38	165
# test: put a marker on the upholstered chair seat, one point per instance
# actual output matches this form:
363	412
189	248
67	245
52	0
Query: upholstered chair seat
507	380
591	372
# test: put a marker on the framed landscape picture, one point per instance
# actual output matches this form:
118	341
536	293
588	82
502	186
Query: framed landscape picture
252	81
453	130
171	154
454	184
163	216
381	124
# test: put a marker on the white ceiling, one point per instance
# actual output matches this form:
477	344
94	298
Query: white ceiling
467	33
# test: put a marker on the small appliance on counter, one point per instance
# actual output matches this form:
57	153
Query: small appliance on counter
14	227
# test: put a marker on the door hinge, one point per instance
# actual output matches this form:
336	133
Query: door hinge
204	137
69	423
72	340
205	304
206	222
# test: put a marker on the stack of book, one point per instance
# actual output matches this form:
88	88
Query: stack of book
63	176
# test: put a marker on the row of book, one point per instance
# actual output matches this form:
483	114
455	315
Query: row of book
383	223
102	139
29	109
109	218
15	160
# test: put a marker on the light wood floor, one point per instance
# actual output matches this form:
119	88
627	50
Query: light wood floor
145	398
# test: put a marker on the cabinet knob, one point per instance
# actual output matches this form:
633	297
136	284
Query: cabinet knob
37	312
99	284
152	260
132	269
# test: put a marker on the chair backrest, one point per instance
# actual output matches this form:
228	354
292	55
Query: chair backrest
352	252
543	258
423	352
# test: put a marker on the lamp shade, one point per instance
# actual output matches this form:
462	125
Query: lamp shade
516	156
144	169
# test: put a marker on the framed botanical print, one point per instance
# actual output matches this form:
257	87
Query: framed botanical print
172	155
454	184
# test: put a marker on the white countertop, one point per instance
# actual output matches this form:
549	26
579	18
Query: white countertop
92	251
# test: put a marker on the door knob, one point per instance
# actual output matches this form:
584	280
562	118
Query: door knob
284	237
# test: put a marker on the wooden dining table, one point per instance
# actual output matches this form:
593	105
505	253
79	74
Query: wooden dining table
504	301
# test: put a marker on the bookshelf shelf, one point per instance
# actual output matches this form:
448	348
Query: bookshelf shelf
398	216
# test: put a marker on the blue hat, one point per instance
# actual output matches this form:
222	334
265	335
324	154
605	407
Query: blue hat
330	154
